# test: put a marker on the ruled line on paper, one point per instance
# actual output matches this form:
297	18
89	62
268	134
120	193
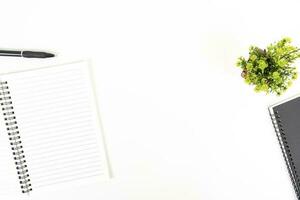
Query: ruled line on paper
66	111
67	134
22	78
51	105
49	134
67	95
68	179
78	161
64	172
69	161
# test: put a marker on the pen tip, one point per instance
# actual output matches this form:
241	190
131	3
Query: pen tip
49	55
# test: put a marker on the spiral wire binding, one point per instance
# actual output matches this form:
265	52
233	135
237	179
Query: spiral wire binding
286	151
14	137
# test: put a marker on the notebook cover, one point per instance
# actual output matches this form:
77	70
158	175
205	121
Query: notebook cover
286	121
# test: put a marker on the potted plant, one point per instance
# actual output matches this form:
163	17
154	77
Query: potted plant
270	70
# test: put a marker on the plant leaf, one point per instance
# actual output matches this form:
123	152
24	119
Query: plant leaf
262	65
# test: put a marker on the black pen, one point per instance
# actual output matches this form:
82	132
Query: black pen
26	54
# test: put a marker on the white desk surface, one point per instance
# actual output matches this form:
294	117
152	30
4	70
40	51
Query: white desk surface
178	119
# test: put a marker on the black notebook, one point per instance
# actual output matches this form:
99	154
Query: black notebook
286	120
50	135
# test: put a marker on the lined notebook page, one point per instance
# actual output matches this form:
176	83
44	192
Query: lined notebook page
58	123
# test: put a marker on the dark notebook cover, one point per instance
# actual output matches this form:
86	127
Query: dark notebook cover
286	120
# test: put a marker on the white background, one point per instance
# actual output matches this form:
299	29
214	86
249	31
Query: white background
179	121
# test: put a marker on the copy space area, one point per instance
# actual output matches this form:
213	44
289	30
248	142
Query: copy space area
178	120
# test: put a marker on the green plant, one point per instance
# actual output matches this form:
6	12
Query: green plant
270	70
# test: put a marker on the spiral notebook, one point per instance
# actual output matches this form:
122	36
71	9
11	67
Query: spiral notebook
286	121
50	132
